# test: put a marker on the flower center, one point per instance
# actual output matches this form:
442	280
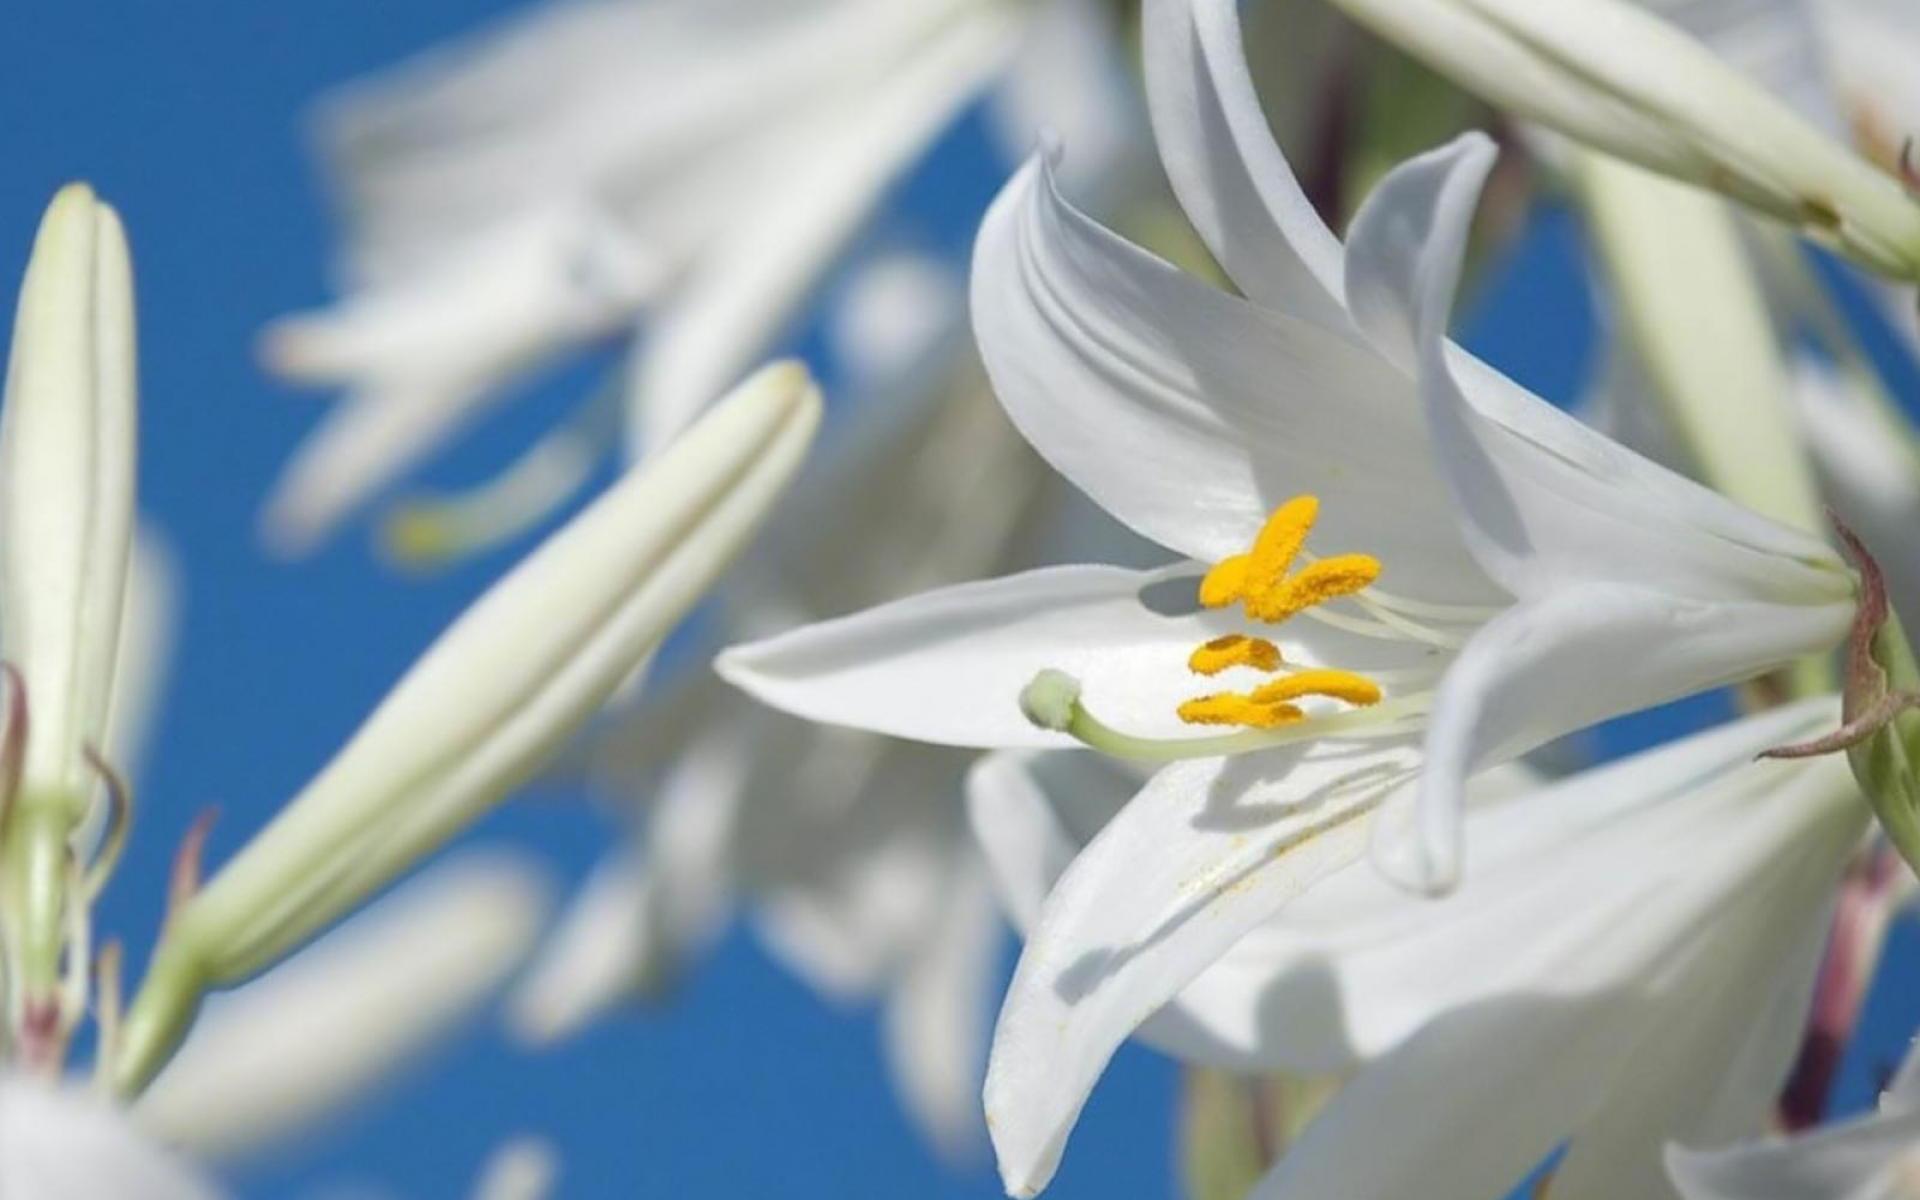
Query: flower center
1269	590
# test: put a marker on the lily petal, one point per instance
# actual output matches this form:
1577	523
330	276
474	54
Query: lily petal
1207	851
1726	876
938	1012
1189	414
1230	177
948	666
1545	499
1840	1161
1507	693
734	306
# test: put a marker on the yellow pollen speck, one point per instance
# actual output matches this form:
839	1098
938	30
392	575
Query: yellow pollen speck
1234	650
1229	708
1225	583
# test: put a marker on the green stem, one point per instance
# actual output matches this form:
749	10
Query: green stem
35	879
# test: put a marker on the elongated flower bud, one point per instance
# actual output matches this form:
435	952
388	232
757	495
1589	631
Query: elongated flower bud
1609	74
66	482
486	705
66	520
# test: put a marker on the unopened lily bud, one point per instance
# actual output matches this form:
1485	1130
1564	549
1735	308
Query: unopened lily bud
66	522
1611	75
489	702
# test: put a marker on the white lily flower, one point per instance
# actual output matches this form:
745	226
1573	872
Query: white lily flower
1875	1157
488	704
1618	78
847	853
1517	544
66	525
705	164
1555	1000
324	1029
58	1140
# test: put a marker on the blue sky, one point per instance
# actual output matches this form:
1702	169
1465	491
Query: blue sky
186	116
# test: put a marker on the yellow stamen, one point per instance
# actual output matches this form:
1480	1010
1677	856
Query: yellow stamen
1333	684
1279	544
1231	708
1226	582
1315	584
1234	650
1264	582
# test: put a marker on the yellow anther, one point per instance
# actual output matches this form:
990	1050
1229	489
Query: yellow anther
1279	544
1226	583
1234	650
1270	705
1264	581
1230	708
1317	583
1322	681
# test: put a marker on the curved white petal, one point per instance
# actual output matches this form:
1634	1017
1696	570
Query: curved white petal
938	1012
1838	1163
1545	668
1207	851
790	234
1229	174
1727	880
58	1142
1355	967
1544	499
588	963
1189	414
280	1054
1714	1067
948	666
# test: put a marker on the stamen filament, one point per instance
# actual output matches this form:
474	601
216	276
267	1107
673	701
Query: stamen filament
1052	701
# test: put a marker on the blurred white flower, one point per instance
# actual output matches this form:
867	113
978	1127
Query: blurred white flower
1630	962
526	1168
702	161
59	1140
1875	1157
320	1032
